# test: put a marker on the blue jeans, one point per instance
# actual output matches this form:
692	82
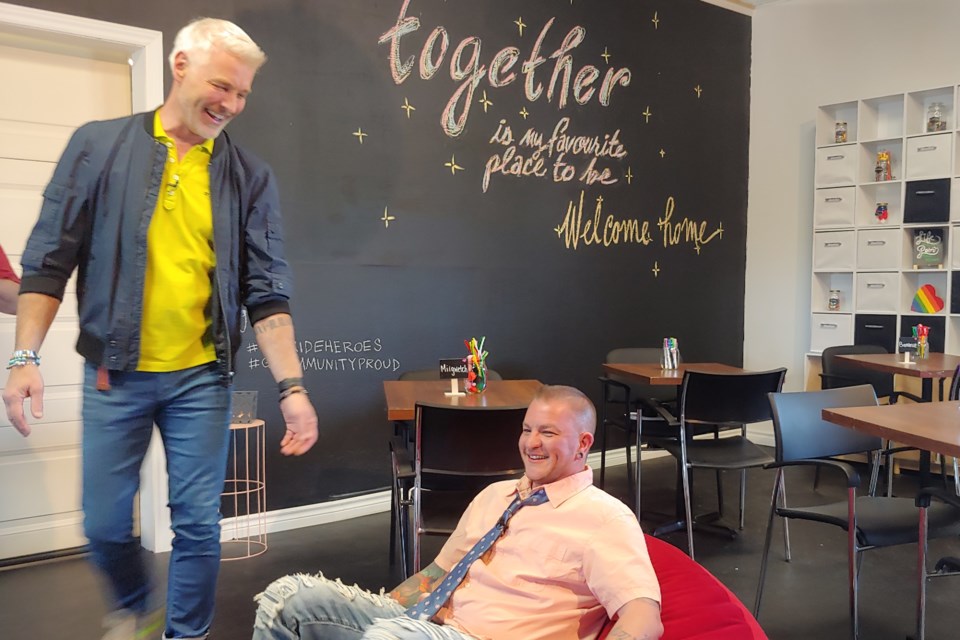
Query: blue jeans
191	408
302	606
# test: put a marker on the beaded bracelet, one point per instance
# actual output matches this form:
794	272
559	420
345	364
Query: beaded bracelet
23	357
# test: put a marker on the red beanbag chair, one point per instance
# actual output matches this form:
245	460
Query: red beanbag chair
696	606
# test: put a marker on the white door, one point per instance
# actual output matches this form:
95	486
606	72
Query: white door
60	71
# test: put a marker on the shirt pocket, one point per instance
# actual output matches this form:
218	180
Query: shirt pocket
534	567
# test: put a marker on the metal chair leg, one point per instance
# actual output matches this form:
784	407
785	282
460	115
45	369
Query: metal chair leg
766	544
786	521
686	493
922	575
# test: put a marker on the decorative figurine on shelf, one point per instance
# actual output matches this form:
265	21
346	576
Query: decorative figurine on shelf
883	171
840	133
881	212
477	363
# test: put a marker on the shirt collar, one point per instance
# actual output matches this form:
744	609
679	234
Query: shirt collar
557	492
160	134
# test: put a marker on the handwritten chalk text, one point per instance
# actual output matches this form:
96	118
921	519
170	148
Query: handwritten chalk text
466	68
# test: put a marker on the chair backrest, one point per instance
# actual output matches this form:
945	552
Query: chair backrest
728	398
955	385
838	374
631	355
459	443
801	432
434	374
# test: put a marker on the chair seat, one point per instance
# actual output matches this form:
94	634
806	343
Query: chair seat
723	453
881	522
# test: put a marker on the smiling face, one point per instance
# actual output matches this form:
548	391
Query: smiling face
553	443
210	89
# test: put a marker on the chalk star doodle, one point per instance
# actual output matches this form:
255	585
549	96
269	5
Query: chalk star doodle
655	21
485	102
520	25
656	269
698	90
359	133
387	218
605	55
454	167
662	153
408	107
629	175
646	114
524	113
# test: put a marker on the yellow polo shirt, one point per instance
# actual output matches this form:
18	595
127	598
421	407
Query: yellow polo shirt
175	331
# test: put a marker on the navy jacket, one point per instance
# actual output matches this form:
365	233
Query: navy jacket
95	215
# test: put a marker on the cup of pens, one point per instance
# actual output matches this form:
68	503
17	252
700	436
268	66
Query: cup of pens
477	366
670	358
920	334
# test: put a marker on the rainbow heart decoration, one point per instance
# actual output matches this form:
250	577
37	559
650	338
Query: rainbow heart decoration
926	300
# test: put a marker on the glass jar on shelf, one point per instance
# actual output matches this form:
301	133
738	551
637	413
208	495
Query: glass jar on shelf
840	133
936	117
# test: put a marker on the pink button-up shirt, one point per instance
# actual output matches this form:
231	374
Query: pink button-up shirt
559	570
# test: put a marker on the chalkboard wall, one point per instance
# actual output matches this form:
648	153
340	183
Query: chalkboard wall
396	130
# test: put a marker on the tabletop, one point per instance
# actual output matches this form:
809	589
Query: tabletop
403	395
653	373
935	365
931	426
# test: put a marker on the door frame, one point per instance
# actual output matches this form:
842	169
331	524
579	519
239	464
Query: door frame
142	50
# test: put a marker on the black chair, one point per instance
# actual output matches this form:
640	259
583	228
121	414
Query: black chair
623	402
457	452
404	434
722	399
838	374
804	438
945	566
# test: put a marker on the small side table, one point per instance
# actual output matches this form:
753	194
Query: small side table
246	489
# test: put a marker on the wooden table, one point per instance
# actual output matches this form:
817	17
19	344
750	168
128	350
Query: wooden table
403	395
653	373
931	426
935	365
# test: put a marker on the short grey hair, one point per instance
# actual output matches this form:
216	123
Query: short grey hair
206	34
584	413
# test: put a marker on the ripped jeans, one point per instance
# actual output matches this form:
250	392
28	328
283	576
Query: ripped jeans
303	606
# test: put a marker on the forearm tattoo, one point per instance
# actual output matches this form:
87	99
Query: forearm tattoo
409	592
280	320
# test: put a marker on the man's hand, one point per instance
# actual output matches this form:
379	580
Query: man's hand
24	382
301	420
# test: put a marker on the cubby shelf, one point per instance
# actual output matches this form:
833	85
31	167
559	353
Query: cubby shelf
887	239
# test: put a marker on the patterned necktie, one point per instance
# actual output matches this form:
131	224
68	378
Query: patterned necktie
429	606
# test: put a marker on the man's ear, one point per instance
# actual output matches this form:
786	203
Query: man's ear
180	64
586	441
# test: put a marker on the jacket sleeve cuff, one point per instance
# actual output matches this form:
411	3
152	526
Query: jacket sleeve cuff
45	285
267	309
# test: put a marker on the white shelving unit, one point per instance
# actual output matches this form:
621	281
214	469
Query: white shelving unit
870	261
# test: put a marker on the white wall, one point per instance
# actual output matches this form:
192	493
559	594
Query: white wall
807	53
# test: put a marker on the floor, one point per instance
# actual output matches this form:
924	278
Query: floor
805	598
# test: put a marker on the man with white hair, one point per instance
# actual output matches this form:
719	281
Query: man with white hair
174	229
